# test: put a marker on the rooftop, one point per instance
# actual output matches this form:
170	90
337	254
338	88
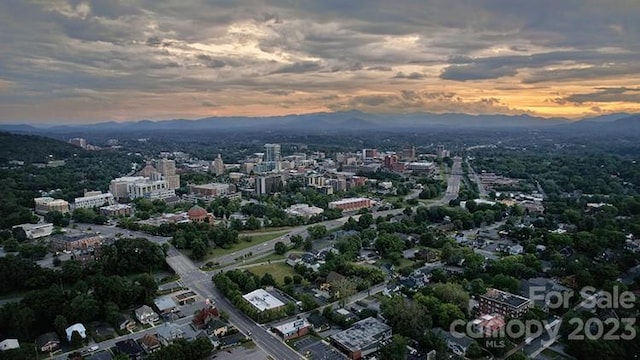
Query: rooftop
262	300
505	297
361	334
292	326
164	303
348	200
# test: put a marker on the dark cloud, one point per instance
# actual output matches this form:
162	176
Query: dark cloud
605	95
379	68
410	76
299	68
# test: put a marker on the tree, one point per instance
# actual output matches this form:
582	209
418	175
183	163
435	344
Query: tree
395	350
267	280
297	240
451	293
446	314
308	245
317	231
60	324
308	302
342	289
406	317
280	248
76	339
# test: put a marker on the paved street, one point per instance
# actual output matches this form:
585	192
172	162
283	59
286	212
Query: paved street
201	283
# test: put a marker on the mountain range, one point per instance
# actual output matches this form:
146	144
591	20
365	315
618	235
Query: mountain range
334	121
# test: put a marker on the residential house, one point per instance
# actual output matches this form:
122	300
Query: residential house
537	290
318	322
9	344
332	277
146	315
77	327
204	316
48	342
456	344
126	322
516	249
218	327
169	332
488	325
150	343
131	349
293	260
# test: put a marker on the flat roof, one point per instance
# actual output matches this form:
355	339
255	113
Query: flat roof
292	326
349	200
361	334
164	303
262	300
505	297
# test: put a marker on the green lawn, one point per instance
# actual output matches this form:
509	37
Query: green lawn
255	240
271	257
278	270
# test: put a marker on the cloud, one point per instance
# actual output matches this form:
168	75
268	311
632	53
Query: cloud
123	53
210	104
411	76
299	68
606	95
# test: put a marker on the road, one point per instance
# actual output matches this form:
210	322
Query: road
474	177
453	181
199	282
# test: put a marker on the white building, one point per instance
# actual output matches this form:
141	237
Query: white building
77	327
120	187
150	189
93	200
9	344
262	300
303	210
36	231
421	167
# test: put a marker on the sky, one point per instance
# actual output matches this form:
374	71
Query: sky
85	61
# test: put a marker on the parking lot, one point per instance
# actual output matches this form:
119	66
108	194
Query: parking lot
315	349
240	352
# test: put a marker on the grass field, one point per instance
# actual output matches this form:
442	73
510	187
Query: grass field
255	240
278	270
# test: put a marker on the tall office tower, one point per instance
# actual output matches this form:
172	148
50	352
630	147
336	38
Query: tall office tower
168	170
409	153
272	156
217	166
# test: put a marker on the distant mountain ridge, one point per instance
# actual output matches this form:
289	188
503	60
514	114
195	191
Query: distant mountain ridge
324	121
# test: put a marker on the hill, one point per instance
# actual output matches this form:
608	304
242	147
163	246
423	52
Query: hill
34	149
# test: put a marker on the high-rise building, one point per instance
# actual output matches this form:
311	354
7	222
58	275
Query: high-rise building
272	156
268	184
168	170
441	152
167	167
368	154
409	153
217	166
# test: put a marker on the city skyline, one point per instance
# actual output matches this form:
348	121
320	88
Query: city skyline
92	61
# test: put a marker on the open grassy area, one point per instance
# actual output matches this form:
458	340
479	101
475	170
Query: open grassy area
278	270
266	258
255	240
